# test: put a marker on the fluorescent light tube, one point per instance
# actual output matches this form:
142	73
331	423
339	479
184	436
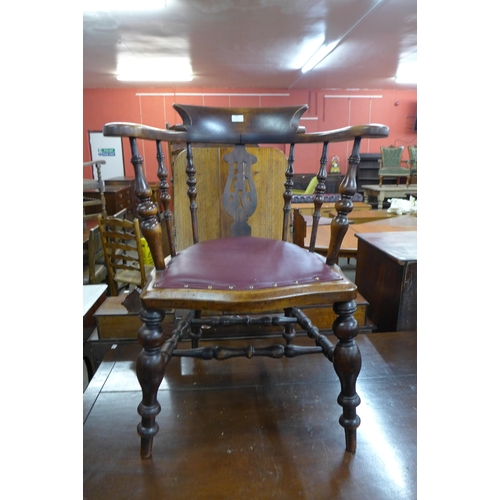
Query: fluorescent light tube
407	73
153	69
318	56
122	5
144	77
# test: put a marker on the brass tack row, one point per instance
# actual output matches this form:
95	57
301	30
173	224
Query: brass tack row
251	287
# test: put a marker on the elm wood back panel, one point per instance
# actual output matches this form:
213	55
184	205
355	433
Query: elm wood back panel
268	175
386	275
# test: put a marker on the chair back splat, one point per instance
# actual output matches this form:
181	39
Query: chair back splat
231	258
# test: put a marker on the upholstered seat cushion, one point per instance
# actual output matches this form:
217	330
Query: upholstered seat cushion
244	263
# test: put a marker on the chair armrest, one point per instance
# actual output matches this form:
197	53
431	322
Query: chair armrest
124	129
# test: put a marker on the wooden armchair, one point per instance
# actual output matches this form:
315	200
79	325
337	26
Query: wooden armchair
94	185
234	272
390	164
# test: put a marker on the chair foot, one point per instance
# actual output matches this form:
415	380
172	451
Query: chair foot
350	440
347	365
150	370
147	435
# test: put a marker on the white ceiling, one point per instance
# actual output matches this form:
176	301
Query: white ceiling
258	43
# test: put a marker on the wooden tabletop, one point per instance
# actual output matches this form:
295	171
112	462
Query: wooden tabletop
399	246
391	187
361	216
349	245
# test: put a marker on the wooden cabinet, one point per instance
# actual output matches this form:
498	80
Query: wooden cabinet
130	183
368	170
386	275
117	198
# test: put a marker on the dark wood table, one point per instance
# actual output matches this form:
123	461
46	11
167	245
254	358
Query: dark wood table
349	247
253	426
362	216
386	275
93	297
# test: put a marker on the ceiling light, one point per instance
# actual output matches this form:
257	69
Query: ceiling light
407	73
122	5
154	69
318	56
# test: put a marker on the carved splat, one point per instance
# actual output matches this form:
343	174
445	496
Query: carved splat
240	195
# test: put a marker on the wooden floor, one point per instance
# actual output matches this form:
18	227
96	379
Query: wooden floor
256	429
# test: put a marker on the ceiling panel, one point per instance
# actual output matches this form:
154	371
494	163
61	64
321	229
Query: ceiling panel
257	43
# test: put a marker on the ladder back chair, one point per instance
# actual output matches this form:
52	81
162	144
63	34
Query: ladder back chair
234	277
96	185
94	270
121	241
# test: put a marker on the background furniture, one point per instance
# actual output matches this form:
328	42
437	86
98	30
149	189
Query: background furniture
121	240
386	275
388	191
94	270
311	187
390	164
412	162
94	201
349	247
328	208
361	216
332	183
130	183
238	273
369	165
93	297
117	198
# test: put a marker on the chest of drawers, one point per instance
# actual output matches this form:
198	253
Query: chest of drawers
117	197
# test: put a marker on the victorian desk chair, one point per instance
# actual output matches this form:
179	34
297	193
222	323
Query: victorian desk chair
231	271
390	164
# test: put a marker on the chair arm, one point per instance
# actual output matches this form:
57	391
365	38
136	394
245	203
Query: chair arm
124	129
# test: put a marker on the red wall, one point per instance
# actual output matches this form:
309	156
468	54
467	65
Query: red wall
328	109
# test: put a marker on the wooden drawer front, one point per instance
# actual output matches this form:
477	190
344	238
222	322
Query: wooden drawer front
117	199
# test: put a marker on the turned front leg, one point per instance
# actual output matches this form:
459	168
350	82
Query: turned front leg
150	369
380	200
347	364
